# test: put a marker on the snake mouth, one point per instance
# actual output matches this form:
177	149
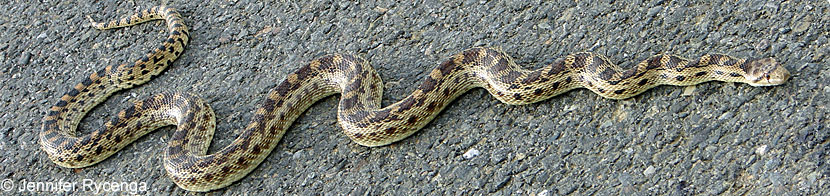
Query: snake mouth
772	82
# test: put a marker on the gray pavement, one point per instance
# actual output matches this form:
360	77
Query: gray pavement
715	138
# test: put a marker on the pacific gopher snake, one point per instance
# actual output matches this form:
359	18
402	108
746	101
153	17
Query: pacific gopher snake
359	112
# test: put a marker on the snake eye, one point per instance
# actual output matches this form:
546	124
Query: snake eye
766	76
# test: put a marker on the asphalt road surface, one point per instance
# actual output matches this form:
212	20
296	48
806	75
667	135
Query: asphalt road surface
713	138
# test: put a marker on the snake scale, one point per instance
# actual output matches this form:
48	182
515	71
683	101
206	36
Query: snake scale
359	112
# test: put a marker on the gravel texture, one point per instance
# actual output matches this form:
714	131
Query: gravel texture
715	138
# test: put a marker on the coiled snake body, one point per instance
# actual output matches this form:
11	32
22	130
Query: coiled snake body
359	112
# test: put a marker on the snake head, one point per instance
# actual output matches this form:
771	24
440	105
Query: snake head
765	72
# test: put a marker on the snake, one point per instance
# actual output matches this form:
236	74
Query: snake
359	111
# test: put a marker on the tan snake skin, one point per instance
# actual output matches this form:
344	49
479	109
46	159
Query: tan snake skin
359	112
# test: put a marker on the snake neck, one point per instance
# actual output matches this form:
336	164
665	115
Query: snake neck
598	74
